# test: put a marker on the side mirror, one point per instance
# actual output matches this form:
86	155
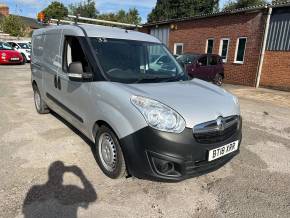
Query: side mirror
76	72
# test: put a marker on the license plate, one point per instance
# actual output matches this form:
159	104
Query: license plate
14	59
223	150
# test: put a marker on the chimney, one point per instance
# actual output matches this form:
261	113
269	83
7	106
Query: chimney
4	10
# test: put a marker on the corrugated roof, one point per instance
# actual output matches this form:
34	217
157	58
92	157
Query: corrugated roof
221	13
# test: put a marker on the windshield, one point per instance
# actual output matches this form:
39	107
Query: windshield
5	46
134	61
186	58
24	45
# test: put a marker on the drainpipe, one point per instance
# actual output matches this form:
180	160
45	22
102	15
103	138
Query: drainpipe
264	47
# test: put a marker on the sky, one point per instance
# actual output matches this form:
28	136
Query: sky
30	8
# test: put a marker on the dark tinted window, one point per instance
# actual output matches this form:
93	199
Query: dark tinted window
202	61
213	60
224	51
209	46
241	49
179	49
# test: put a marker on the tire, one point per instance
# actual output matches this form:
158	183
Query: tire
40	105
109	153
24	59
218	80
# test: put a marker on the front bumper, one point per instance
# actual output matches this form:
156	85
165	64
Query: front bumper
161	156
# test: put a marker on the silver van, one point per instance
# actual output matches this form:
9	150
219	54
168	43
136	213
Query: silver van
125	92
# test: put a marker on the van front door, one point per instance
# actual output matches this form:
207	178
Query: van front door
74	94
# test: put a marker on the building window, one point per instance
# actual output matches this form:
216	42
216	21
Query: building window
178	48
224	48
209	46
240	50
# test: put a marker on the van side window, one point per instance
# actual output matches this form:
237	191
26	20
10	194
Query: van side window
73	52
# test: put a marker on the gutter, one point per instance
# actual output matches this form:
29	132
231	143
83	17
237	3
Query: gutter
260	67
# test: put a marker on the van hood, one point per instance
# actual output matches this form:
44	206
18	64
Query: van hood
195	100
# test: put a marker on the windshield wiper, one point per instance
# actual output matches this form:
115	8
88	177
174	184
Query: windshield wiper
145	77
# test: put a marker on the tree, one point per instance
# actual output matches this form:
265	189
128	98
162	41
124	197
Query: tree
171	9
55	10
230	5
14	26
84	9
278	1
132	16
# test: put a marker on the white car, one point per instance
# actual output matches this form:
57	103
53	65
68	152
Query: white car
23	47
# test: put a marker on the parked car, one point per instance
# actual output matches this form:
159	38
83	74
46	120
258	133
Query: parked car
208	67
8	55
146	121
23	47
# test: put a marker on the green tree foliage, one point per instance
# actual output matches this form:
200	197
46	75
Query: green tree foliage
88	9
55	10
278	1
13	25
132	16
171	9
84	9
230	5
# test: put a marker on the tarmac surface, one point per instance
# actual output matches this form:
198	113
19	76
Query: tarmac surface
48	170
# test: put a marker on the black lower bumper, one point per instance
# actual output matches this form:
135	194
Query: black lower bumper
161	156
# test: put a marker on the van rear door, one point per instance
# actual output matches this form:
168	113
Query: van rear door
51	65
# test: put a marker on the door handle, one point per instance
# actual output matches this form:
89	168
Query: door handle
59	83
55	81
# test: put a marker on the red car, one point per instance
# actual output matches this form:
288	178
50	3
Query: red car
8	55
208	67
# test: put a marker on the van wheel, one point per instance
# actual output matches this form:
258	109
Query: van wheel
40	105
24	59
109	153
218	80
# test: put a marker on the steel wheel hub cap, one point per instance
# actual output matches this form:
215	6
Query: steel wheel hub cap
107	151
37	100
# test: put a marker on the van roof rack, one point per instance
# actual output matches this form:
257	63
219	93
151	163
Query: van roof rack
74	19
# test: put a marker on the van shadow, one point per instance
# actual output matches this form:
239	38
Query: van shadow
53	199
72	128
77	132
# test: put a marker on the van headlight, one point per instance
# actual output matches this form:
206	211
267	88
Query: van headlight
158	115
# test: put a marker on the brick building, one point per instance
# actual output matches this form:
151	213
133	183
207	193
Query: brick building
241	38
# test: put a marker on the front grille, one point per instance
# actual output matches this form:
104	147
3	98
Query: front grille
209	132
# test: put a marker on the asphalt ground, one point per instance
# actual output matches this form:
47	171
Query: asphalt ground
48	170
